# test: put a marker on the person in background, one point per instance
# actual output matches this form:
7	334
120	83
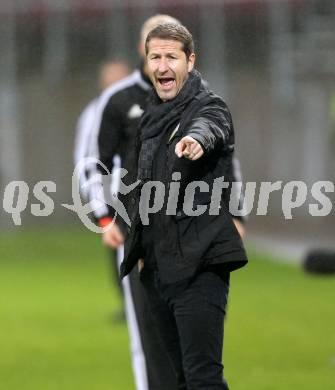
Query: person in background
110	71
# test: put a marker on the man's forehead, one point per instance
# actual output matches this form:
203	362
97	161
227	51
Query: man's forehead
164	44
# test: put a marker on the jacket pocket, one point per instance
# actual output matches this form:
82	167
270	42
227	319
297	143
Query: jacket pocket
185	231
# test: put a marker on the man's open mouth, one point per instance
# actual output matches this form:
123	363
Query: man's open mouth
166	82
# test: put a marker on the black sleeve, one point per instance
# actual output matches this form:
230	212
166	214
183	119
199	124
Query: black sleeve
110	135
108	140
212	127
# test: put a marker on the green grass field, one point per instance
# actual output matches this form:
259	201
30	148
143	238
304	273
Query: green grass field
56	332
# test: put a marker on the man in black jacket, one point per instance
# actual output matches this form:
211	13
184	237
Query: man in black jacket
191	244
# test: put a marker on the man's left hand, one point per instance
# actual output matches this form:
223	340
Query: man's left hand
189	148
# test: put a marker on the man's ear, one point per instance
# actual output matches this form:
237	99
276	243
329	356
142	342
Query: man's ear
191	61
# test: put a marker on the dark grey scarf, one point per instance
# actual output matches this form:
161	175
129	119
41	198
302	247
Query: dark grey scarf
158	118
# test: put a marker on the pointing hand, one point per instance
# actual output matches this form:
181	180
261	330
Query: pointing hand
189	148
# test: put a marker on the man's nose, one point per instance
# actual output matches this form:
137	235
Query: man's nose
163	66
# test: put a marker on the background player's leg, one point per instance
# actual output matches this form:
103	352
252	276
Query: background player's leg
137	355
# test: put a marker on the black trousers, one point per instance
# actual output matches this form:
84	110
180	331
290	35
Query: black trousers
160	372
190	317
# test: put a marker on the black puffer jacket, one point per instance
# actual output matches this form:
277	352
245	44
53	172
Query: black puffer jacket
184	243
